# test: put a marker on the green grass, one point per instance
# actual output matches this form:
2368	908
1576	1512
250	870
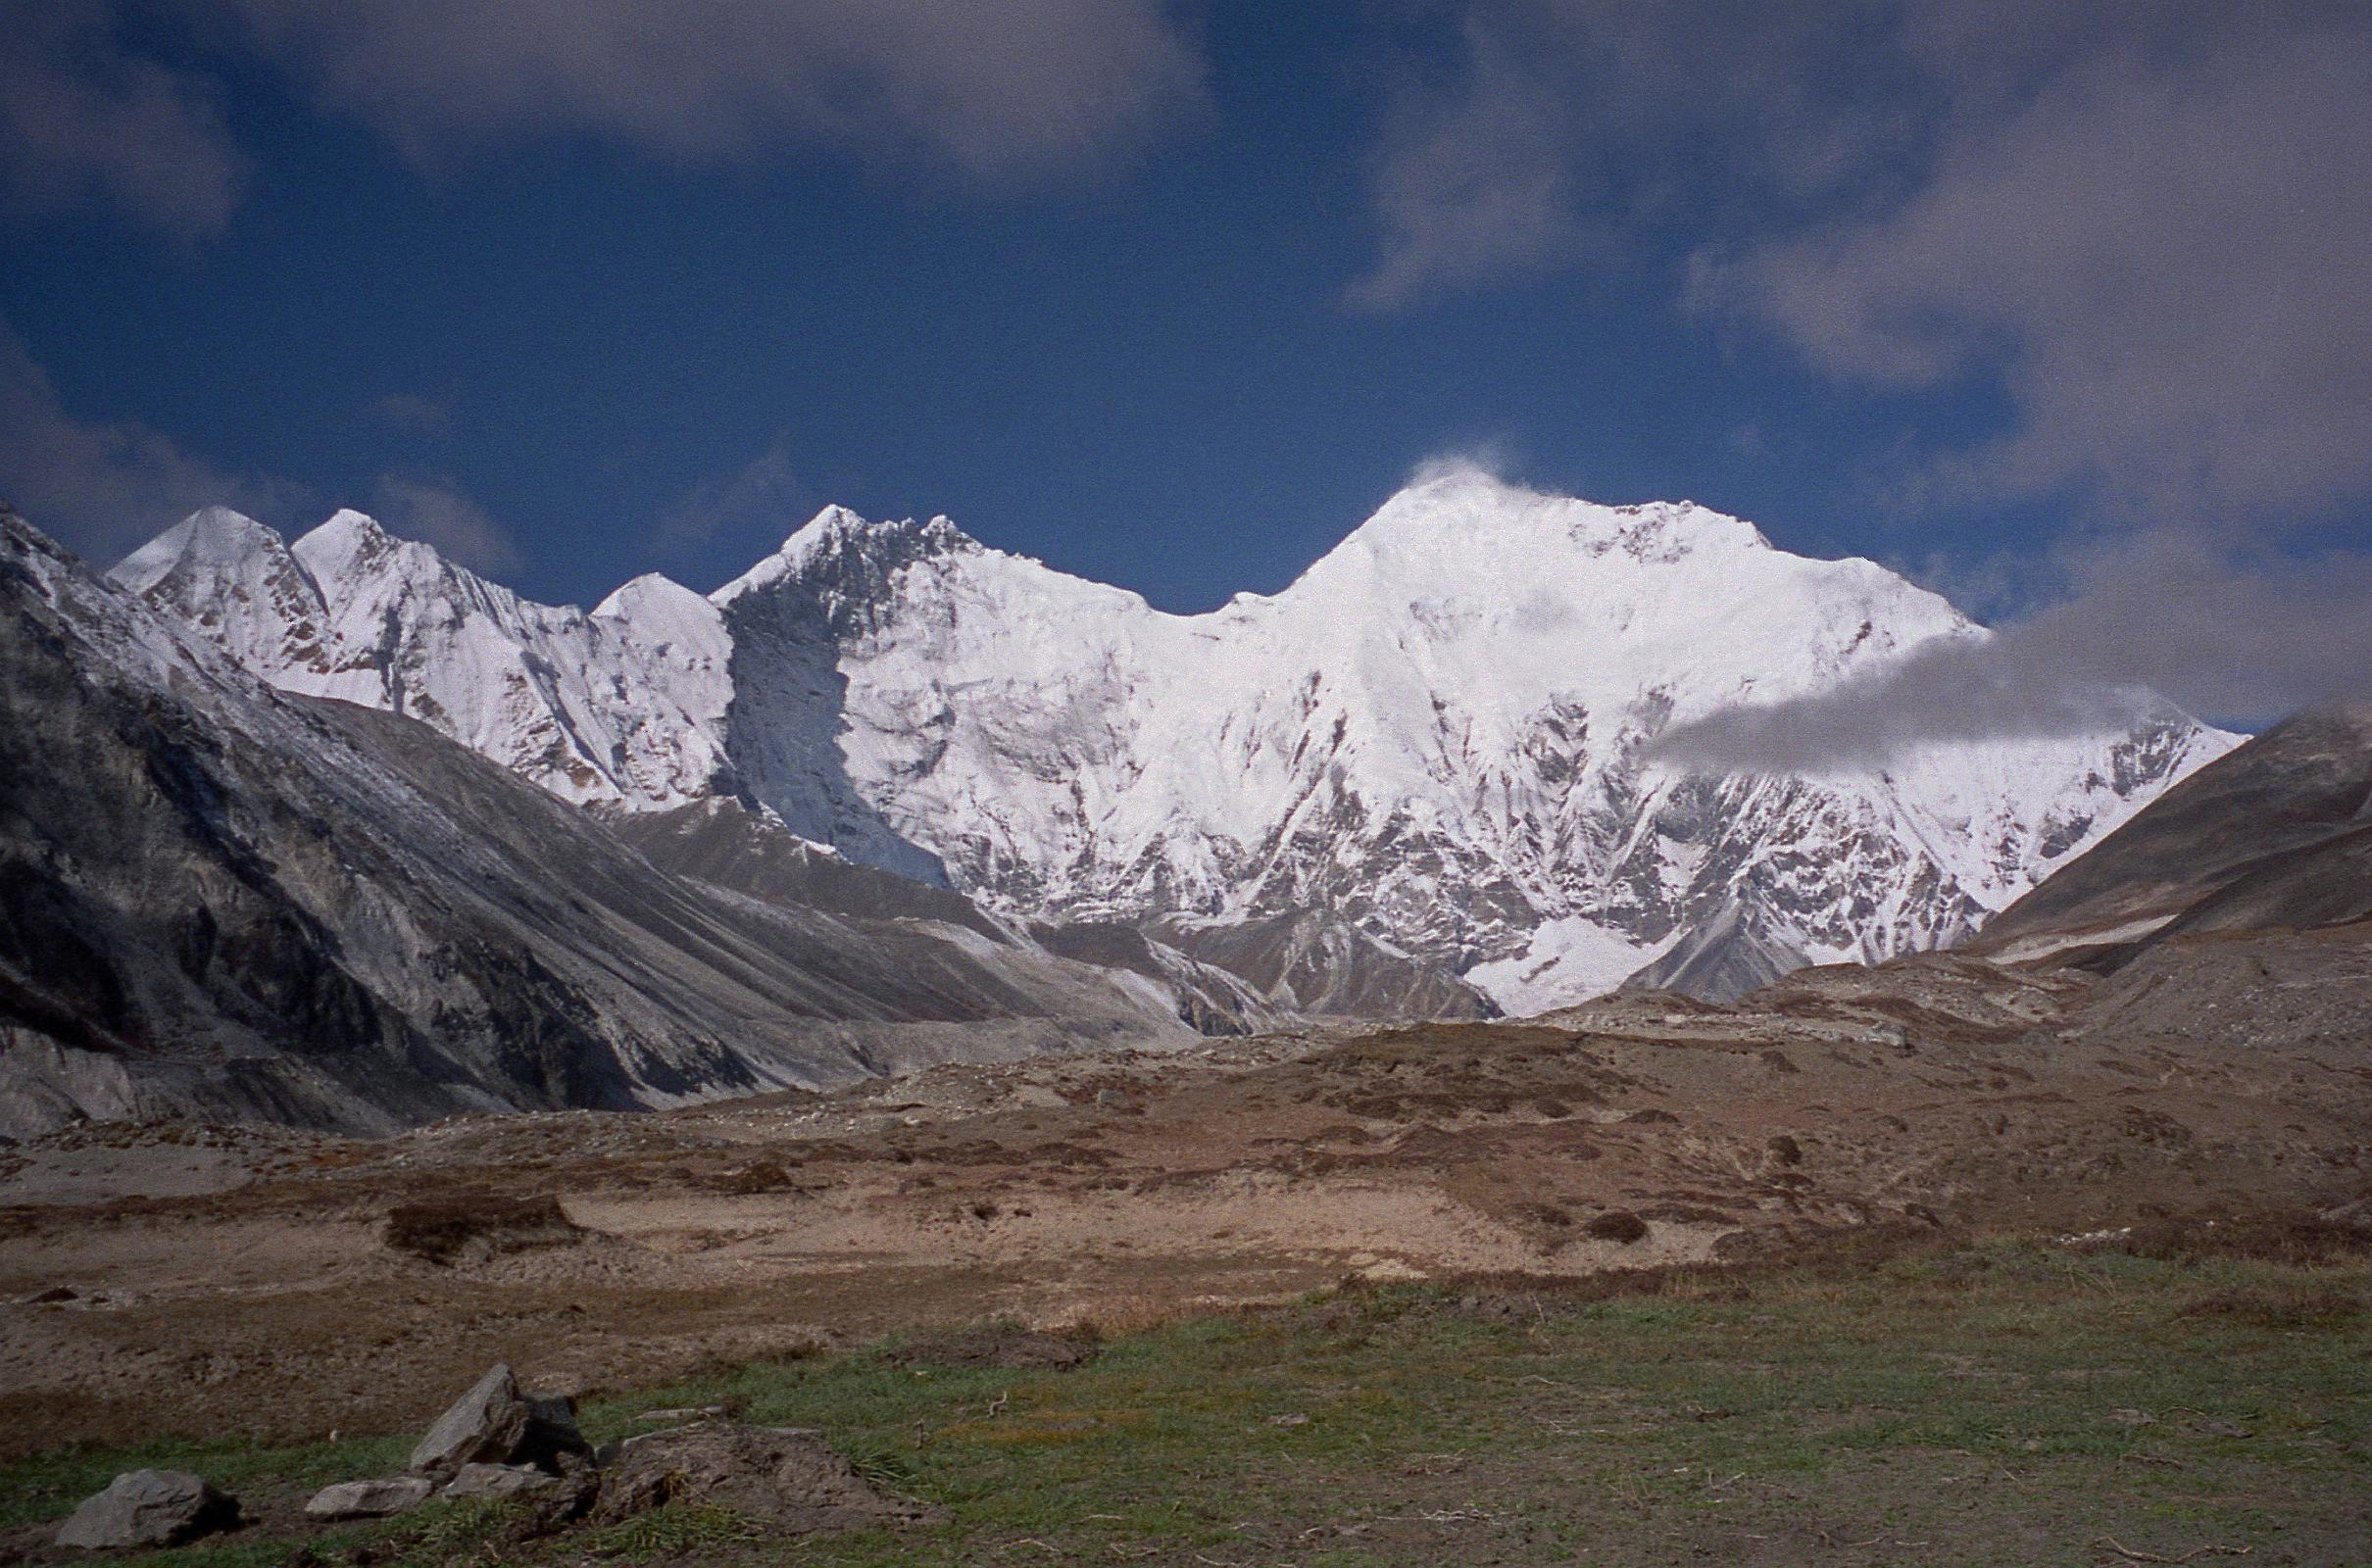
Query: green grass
2003	1404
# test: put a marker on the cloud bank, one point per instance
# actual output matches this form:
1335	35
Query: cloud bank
989	86
2145	226
442	515
763	499
82	119
990	90
104	488
2167	263
2149	225
2240	637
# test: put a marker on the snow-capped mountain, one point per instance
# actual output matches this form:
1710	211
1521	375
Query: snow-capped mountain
1437	735
621	707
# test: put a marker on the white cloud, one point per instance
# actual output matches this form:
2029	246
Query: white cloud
990	90
764	498
2149	225
1476	189
2237	635
1562	127
2167	262
2145	224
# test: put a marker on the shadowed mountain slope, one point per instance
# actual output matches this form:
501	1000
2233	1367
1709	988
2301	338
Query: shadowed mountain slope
2277	833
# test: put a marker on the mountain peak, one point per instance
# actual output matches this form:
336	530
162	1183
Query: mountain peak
209	537
832	520
1466	528
1468	500
837	536
348	540
652	592
836	527
348	523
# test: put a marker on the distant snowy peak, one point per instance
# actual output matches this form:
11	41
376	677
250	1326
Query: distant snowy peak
1469	508
840	547
1441	733
208	541
351	545
663	604
1573	602
619	709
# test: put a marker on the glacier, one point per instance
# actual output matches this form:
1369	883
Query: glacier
1440	736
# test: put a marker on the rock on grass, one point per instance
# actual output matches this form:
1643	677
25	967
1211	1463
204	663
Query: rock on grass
149	1508
500	1481
370	1499
494	1423
778	1476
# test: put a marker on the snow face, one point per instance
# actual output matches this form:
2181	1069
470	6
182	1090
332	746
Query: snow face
1570	957
1435	732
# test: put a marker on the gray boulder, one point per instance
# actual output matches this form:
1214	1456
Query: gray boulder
149	1508
484	1426
496	1424
782	1477
370	1499
501	1481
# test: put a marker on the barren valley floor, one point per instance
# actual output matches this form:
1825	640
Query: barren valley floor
1992	1262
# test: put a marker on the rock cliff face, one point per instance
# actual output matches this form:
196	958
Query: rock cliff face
219	900
1436	743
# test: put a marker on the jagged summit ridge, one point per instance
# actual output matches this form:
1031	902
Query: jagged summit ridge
609	708
1439	733
837	539
1473	508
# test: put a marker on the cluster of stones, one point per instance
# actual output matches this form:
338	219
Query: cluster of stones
495	1442
498	1441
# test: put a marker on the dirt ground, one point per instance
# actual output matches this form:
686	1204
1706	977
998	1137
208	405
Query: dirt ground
177	1280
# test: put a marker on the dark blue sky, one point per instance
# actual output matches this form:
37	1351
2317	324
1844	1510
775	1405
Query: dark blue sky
1178	312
